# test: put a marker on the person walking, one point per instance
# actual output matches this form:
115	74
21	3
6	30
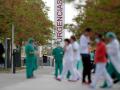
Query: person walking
113	51
76	53
85	53
68	64
101	61
58	53
31	64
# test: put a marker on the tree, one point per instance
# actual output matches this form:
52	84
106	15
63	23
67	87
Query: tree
100	15
30	18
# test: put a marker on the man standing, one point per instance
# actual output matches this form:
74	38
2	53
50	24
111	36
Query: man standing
31	64
58	53
85	53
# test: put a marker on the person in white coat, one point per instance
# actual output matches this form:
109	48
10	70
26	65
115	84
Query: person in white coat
113	51
68	64
76	53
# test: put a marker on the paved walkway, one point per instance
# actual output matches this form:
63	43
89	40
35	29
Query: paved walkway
9	79
46	81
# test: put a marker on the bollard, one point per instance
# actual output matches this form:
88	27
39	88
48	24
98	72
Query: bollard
14	61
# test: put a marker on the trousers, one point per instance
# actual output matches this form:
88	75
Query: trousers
69	66
86	67
101	71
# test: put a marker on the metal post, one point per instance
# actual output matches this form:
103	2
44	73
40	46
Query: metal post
6	58
12	61
8	53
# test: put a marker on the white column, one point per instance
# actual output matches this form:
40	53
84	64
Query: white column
59	20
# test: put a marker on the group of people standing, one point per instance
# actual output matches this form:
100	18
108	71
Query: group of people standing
106	59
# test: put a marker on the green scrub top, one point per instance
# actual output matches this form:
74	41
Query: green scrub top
58	53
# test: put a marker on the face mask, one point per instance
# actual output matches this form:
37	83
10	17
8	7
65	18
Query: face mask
97	40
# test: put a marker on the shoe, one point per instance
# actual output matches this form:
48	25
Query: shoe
107	87
104	86
116	81
58	79
86	83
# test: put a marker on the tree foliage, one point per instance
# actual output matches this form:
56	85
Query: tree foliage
30	18
100	15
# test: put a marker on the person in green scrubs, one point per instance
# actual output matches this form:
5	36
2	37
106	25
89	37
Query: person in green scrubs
58	53
31	59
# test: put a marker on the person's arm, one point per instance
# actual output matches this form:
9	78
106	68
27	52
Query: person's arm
75	47
112	50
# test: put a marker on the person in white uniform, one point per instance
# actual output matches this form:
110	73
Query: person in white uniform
113	51
68	64
76	53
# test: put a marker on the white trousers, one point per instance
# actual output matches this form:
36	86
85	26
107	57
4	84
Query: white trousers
77	72
101	71
69	66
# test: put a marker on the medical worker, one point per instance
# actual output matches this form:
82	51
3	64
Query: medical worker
113	51
77	56
101	61
68	60
58	53
31	64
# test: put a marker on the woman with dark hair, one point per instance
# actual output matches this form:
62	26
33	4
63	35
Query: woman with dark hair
68	62
77	57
